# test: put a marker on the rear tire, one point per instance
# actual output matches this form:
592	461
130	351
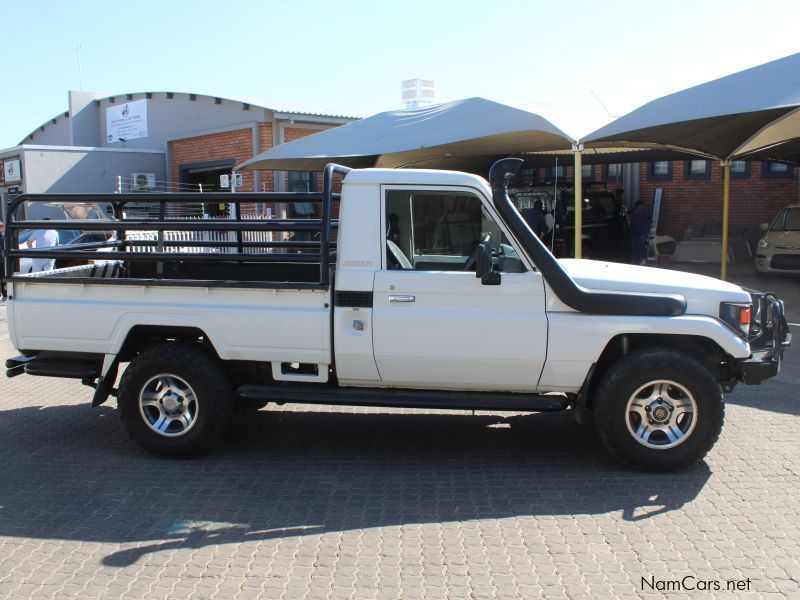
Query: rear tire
658	409
176	400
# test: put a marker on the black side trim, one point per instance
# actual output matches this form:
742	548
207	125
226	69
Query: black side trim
404	398
572	294
353	299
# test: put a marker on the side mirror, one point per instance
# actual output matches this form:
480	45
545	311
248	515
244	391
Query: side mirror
763	226
484	264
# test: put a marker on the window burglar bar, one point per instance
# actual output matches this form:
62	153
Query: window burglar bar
317	252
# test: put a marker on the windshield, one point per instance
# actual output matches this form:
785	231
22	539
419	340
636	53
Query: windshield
529	200
63	212
788	220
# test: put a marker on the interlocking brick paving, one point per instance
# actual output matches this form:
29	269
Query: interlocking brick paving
312	502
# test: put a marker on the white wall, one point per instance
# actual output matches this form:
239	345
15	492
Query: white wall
86	170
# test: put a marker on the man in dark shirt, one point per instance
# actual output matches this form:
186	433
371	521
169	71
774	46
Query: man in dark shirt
640	229
535	219
2	263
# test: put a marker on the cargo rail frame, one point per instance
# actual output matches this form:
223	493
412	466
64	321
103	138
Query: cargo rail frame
325	254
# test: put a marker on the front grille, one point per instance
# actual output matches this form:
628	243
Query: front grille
785	261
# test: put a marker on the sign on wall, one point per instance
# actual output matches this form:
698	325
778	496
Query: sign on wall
12	170
126	122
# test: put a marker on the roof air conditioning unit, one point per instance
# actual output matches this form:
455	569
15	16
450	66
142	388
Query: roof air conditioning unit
143	182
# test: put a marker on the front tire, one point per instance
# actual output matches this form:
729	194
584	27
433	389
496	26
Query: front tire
658	409
176	400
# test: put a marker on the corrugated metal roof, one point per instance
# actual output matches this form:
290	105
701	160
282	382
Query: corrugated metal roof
254	103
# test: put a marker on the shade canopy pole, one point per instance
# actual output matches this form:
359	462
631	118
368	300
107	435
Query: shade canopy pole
578	177
726	193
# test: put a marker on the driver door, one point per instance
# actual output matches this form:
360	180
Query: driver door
434	323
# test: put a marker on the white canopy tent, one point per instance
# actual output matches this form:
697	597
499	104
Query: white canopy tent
751	114
448	135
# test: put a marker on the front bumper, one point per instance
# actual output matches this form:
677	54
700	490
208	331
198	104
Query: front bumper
787	264
769	337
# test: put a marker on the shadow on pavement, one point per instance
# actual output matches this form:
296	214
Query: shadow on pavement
71	473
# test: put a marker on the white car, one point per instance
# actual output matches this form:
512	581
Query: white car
778	251
61	211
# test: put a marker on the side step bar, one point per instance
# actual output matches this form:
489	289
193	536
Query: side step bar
404	398
52	367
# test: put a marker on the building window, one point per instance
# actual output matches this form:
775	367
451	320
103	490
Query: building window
740	169
302	181
697	169
587	172
613	172
557	172
527	176
660	170
774	170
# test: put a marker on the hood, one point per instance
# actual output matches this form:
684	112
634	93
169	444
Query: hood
782	238
703	294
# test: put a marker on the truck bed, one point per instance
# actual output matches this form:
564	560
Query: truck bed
287	325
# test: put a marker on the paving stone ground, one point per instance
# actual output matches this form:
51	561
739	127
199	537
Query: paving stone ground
311	502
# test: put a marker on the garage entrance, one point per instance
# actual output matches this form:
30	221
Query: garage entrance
205	176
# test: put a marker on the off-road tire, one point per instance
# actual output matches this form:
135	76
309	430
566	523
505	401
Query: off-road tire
211	385
628	374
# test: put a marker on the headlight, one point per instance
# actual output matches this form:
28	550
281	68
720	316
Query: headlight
737	316
762	243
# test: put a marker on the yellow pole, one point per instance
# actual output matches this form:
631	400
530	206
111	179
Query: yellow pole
578	177
726	197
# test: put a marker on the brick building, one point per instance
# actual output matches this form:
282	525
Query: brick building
157	141
692	191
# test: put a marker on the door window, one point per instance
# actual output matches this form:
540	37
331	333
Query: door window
439	231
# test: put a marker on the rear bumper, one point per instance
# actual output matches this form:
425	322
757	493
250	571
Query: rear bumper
771	338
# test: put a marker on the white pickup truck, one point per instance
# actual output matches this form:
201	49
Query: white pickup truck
429	290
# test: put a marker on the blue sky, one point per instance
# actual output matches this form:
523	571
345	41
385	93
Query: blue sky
553	58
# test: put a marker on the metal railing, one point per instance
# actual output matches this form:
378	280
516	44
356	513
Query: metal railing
236	239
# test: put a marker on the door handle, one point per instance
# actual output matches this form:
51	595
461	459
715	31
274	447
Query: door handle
401	298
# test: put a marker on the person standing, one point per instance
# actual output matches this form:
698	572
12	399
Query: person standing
640	229
43	238
535	219
3	293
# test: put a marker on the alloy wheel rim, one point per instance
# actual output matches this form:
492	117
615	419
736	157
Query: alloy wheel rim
168	405
661	414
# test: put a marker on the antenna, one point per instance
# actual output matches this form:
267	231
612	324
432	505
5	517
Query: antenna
80	69
600	102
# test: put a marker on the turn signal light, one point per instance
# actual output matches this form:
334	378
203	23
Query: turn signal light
744	316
